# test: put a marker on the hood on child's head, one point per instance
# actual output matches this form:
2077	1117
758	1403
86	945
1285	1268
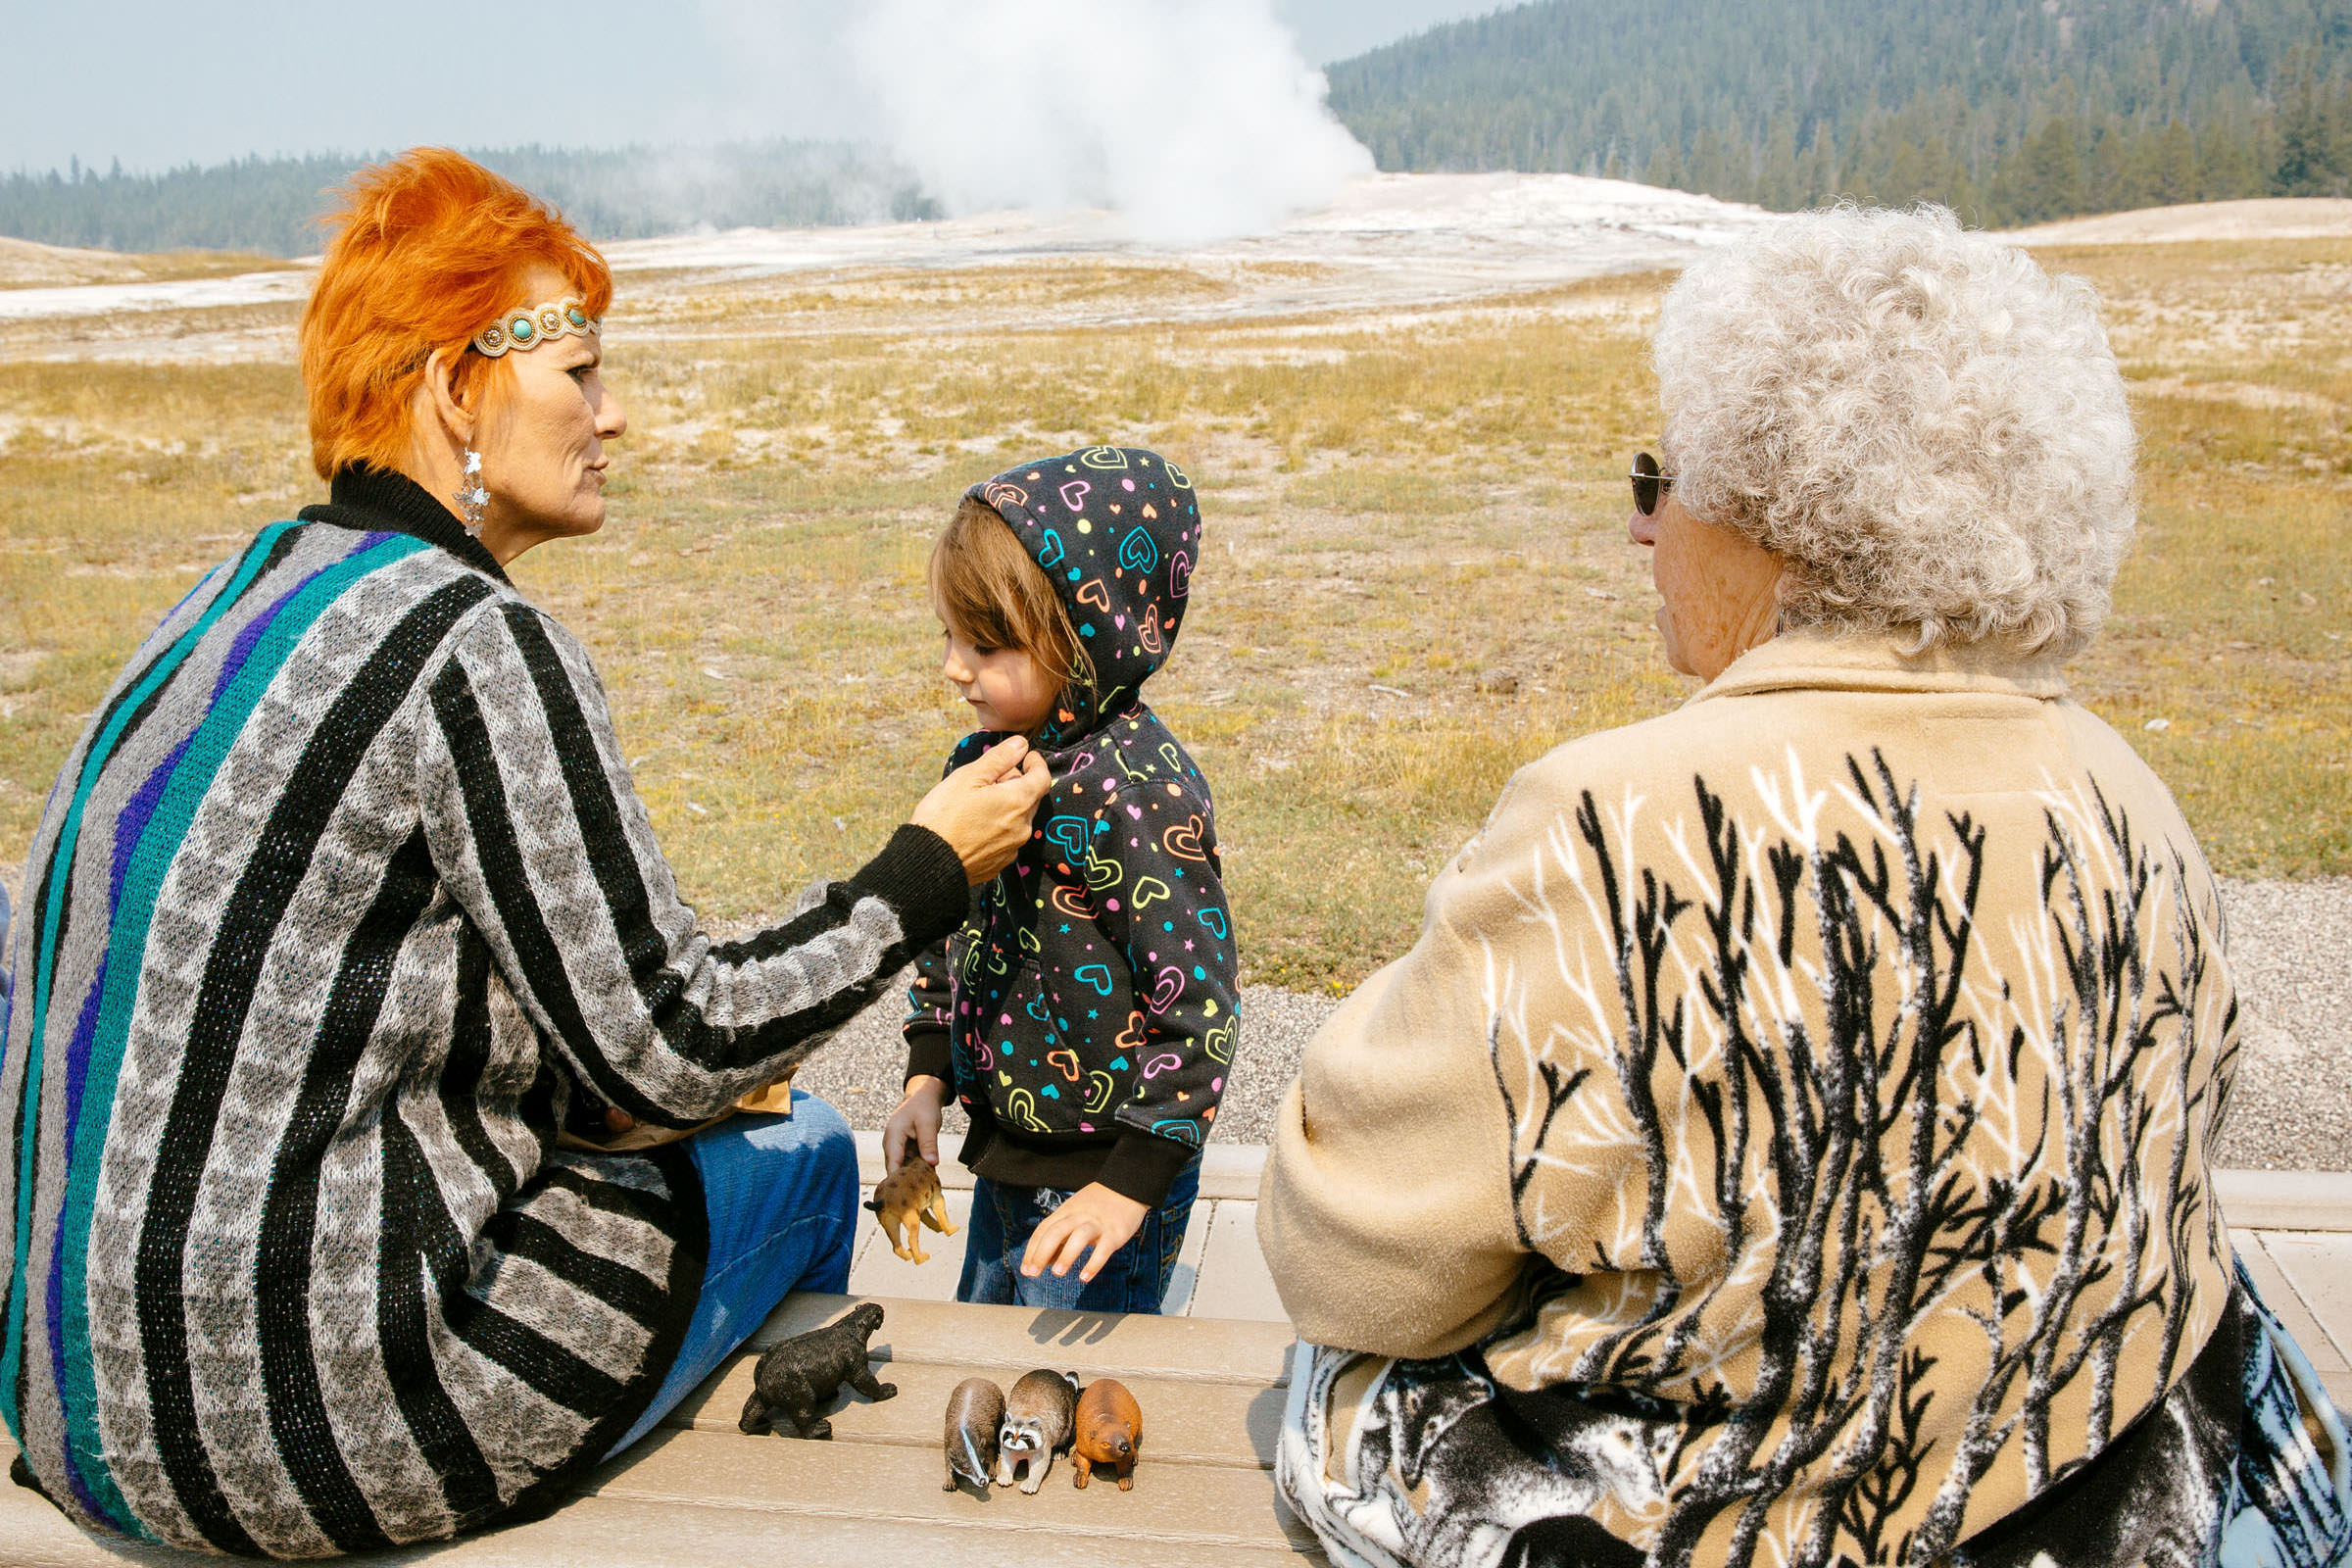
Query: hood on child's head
1117	530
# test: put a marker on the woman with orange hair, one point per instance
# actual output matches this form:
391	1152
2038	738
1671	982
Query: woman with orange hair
342	923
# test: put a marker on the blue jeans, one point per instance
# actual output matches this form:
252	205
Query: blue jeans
782	1196
1135	1280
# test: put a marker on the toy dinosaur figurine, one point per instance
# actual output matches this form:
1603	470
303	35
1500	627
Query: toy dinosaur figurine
800	1377
975	1412
899	1200
1037	1425
1110	1431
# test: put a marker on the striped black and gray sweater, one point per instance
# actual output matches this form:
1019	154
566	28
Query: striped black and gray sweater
341	898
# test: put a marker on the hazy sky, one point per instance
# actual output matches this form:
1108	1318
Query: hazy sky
160	82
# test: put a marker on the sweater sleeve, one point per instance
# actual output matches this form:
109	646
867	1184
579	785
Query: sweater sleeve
1165	909
1386	1211
930	1046
931	999
538	834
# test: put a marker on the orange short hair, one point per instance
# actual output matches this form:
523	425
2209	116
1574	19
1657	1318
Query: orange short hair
425	251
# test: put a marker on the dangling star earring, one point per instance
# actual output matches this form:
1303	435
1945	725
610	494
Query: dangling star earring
473	498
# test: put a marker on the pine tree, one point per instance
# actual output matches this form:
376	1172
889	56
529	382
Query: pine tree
1665	169
2225	164
2052	173
1820	175
2173	165
1712	169
2115	169
1778	186
2339	140
2305	152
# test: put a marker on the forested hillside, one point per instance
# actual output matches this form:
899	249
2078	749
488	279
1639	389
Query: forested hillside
2011	111
272	205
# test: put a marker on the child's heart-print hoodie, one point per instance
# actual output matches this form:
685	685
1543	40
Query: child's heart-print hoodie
1086	1011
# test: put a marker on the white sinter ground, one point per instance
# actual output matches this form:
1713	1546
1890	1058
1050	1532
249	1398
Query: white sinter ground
1390	239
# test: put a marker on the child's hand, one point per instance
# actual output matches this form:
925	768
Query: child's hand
917	1117
1092	1215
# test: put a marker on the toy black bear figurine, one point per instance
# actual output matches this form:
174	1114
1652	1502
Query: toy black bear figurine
800	1377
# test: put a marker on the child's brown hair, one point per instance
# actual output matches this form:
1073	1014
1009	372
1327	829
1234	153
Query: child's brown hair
999	597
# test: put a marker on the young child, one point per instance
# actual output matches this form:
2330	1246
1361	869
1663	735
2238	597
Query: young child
1084	1015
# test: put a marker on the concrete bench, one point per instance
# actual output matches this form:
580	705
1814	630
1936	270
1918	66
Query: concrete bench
699	1491
2293	1231
1211	1388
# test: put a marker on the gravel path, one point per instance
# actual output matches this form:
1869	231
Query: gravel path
2290	942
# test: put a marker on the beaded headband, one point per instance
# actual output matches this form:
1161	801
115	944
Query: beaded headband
527	329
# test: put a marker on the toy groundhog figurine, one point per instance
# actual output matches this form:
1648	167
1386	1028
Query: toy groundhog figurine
913	1192
800	1377
1110	1431
975	1413
1038	1415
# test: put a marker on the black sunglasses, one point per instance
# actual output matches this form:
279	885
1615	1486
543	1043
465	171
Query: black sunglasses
1649	483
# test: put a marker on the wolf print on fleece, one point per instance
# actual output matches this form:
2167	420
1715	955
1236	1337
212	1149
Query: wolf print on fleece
1090	998
2241	1465
1435	1471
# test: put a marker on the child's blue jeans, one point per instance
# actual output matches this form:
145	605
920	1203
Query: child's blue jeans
781	1192
1135	1280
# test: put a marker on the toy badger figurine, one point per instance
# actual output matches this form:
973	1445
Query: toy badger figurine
1110	1431
975	1413
1038	1415
800	1377
901	1199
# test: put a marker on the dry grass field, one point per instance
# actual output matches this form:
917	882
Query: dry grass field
1401	509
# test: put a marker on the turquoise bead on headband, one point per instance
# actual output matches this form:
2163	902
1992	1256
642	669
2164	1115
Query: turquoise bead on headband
529	327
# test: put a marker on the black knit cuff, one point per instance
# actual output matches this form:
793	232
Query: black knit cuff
928	1052
1143	1166
922	878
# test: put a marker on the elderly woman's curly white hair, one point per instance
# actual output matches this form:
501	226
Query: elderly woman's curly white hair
1925	425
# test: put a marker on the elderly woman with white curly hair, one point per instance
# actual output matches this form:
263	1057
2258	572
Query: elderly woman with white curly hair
1787	1141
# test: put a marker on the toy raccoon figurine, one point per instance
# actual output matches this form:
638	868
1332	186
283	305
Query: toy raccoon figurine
899	1200
975	1413
1039	1414
1109	1433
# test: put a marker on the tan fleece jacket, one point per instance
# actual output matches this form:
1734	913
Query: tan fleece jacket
1835	1058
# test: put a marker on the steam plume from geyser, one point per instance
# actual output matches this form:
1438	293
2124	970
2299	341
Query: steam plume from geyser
1196	119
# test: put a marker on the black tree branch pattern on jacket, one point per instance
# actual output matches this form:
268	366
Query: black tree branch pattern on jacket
1878	1201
